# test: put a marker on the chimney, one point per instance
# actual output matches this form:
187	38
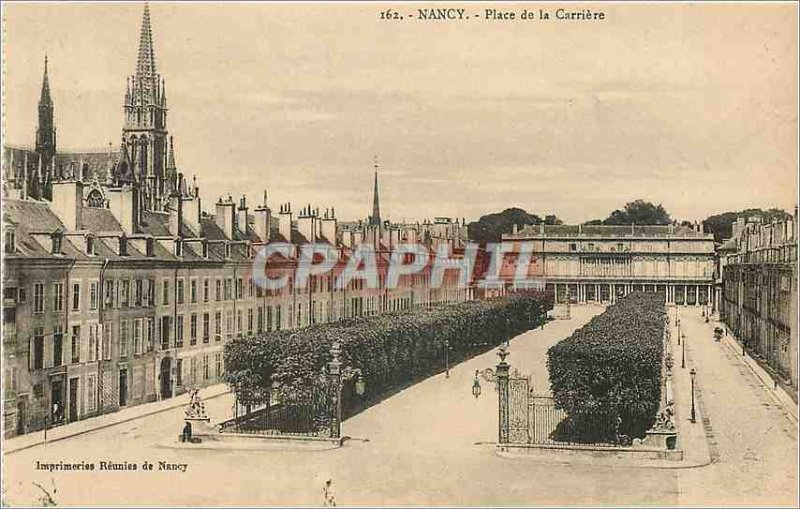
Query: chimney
124	205
328	226
285	221
224	216
306	224
192	212
68	203
242	215
175	214
263	219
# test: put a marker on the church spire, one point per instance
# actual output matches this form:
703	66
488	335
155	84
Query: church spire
45	99
375	219
146	62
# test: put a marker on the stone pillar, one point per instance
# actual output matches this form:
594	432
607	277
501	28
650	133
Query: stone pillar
597	293
335	379
697	295
502	389
685	294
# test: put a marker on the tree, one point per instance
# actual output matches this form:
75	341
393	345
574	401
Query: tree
491	227
636	212
721	225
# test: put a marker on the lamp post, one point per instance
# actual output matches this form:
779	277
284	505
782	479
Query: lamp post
693	373
447	358
500	376
337	377
678	323
683	348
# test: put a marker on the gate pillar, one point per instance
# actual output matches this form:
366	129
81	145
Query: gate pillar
335	374
502	396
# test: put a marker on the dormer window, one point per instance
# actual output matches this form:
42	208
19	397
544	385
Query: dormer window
56	243
178	248
227	250
90	245
148	247
123	246
204	247
10	240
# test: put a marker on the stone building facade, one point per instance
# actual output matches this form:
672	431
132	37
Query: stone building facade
759	285
595	263
120	289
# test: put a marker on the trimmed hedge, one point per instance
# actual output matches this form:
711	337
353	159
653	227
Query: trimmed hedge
391	349
608	372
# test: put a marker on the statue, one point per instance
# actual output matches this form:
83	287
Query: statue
196	408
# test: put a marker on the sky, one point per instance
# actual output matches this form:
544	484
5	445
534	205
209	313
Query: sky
690	105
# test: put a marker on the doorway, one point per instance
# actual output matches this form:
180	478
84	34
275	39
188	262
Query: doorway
166	378
56	400
123	387
73	399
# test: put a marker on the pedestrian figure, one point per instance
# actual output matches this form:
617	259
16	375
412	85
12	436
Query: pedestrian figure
187	432
327	493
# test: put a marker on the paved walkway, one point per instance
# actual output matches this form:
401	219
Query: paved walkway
73	429
753	438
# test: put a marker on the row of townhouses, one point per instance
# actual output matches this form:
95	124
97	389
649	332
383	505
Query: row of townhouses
759	292
120	289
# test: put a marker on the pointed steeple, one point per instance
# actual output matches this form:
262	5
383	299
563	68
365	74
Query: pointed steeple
375	219
44	98
146	61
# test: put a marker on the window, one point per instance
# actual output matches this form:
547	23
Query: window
138	293
238	322
260	327
126	294
150	334
228	284
90	245
10	241
38	348
123	338
92	343
229	324
93	295
56	243
75	344
218	326
250	322
251	288
58	297
109	299
38	298
218	290
76	296
165	293
137	337
193	329
239	288
193	369
179	331
179	370
91	392
218	364
206	327
619	246
151	292
205	367
206	290
573	246
179	292
58	345
193	291
108	335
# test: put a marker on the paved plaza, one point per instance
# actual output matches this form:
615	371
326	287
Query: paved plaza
431	444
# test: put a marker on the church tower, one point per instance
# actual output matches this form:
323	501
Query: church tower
144	130
375	218
46	130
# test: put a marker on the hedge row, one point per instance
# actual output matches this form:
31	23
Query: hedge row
607	374
390	349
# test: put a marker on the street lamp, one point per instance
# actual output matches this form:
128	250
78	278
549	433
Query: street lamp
678	323
489	374
683	348
693	373
447	358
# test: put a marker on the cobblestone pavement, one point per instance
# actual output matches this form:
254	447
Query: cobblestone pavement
419	448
